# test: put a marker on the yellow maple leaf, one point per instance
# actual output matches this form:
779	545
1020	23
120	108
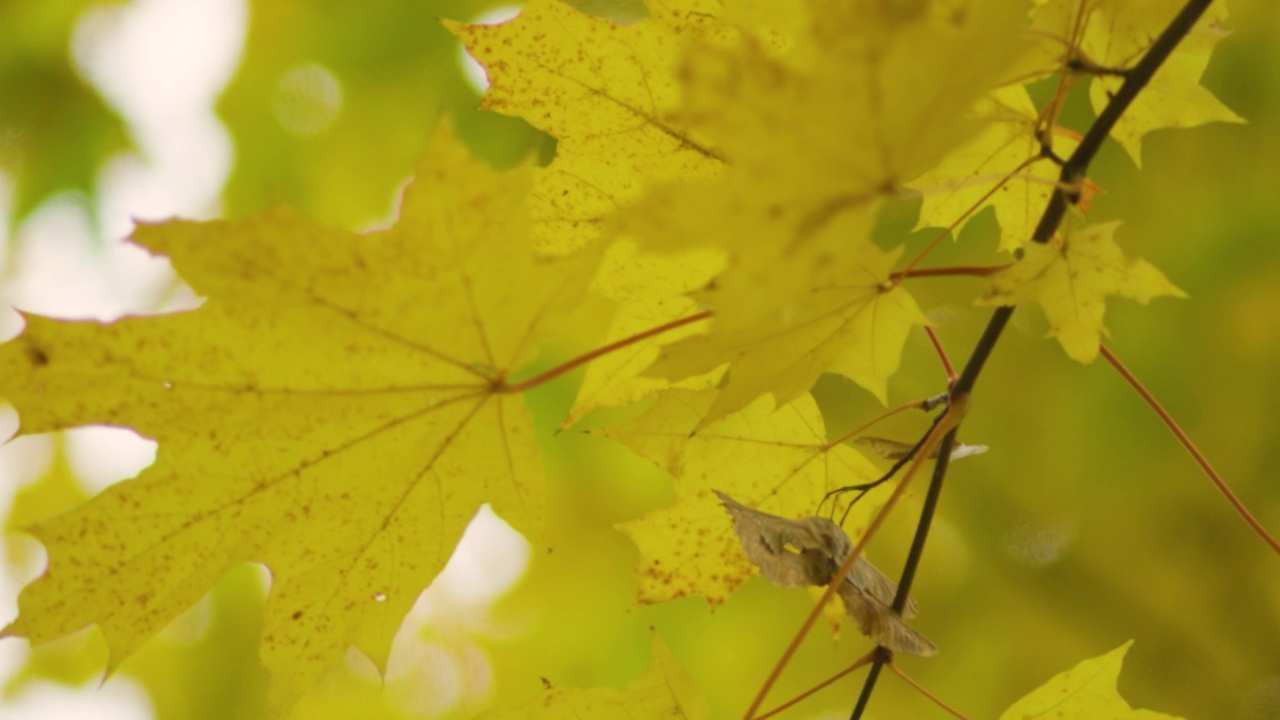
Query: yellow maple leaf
777	461
1085	692
337	410
1071	279
665	690
1007	144
812	152
606	92
1116	34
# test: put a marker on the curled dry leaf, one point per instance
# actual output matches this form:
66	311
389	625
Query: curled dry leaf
894	450
808	551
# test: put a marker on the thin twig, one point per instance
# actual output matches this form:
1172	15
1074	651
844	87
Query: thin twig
864	660
942	354
921	689
1190	446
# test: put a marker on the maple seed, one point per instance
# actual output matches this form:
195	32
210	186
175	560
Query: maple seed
792	553
895	450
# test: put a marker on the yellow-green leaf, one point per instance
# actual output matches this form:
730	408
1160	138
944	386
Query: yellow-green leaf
335	410
1085	692
1071	278
805	291
1116	35
792	304
665	690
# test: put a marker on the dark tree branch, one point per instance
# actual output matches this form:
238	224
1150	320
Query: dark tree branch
1072	177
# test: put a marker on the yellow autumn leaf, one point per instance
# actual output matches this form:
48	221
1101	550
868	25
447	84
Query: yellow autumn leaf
1085	692
665	690
606	92
792	304
336	410
822	135
1116	34
777	461
812	153
1007	145
1070	279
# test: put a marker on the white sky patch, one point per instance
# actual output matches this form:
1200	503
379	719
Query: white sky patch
434	666
471	70
103	456
116	700
162	63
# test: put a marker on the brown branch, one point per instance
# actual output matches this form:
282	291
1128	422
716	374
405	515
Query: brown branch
1072	176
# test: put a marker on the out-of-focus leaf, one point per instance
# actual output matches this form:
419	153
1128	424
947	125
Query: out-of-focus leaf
665	690
1085	692
335	101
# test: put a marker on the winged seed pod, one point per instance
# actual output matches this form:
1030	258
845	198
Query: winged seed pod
894	450
808	551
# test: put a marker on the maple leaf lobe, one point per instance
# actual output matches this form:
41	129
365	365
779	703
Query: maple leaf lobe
322	413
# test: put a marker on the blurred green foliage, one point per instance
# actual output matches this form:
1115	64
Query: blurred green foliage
334	102
56	132
1084	526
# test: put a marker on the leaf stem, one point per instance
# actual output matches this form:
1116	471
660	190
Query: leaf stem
1190	446
906	272
973	270
864	426
921	689
942	354
583	359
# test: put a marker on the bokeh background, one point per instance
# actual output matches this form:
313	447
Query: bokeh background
1085	525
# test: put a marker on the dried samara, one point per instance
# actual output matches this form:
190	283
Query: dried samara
808	551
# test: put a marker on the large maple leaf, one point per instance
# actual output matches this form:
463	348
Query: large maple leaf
337	410
812	153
